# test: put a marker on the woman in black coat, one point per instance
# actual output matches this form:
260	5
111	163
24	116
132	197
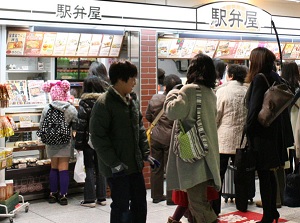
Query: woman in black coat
269	143
93	86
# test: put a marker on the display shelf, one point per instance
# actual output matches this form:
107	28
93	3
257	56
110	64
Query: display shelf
28	148
26	71
27	129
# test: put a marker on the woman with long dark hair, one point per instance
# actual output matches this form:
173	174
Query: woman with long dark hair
268	143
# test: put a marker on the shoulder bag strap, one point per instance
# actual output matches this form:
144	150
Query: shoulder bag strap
261	74
202	134
157	117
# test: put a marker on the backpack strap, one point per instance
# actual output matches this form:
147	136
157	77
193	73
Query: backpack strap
261	74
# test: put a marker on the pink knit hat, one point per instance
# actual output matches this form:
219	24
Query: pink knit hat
59	90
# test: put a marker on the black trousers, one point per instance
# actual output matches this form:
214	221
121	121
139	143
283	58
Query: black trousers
128	194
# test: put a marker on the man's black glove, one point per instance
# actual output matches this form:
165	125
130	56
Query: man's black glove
153	162
119	171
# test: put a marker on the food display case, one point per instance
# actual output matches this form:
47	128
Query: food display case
72	68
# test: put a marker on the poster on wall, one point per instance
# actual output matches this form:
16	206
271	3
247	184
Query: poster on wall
95	44
175	48
295	52
116	46
105	45
60	44
15	42
35	92
17	90
33	43
84	44
72	43
48	44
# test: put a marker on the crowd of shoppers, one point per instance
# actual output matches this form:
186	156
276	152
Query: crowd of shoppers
109	116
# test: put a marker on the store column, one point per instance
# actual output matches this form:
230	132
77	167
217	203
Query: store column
148	79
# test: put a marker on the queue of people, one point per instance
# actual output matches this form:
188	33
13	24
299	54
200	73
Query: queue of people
111	134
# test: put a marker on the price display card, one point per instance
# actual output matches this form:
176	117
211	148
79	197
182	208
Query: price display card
163	47
116	46
48	44
15	43
72	44
35	91
95	44
60	44
17	90
84	44
33	43
105	45
287	50
226	49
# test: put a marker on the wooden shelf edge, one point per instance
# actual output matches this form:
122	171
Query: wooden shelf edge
29	148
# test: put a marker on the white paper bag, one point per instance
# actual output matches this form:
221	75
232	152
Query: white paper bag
79	170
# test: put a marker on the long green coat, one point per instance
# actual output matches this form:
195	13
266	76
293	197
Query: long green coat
181	104
118	134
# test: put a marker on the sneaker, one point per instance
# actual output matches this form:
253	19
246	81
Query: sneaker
88	204
63	200
102	202
52	198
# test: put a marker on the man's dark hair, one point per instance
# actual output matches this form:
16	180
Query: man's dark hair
122	70
237	72
170	81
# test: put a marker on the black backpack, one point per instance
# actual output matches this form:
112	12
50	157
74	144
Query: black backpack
54	130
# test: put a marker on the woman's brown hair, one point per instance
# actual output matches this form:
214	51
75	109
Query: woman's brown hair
261	61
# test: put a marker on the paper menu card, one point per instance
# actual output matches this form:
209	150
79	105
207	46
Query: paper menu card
116	46
226	49
35	92
295	52
33	43
288	50
274	48
72	43
60	44
15	42
207	47
187	48
105	45
95	44
84	44
17	90
244	49
163	47
175	48
48	44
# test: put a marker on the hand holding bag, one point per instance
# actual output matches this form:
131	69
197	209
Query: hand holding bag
276	99
244	158
79	170
193	143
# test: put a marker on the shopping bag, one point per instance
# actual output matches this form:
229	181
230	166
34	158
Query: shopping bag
79	170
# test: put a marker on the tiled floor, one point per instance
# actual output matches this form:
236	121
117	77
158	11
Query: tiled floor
42	212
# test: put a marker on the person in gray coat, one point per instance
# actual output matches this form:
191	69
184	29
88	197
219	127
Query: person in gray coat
181	105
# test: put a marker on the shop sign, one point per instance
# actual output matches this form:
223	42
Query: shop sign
233	16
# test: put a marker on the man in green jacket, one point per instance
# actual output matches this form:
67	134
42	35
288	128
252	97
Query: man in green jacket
119	138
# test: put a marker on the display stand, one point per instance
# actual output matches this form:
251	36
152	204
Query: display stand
10	206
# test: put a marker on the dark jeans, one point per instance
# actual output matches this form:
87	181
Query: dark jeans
128	194
93	177
224	158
